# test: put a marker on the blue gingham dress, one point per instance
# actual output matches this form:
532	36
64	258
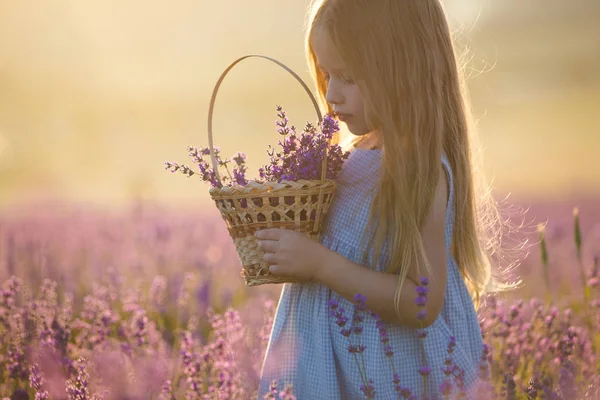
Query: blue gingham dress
306	348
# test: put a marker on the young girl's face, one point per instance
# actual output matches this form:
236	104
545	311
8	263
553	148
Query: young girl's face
342	93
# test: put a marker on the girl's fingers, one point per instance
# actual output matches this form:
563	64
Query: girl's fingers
269	258
268	234
268	246
279	270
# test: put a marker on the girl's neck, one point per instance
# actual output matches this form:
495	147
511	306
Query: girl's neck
369	141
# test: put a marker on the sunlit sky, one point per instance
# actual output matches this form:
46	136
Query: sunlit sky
96	96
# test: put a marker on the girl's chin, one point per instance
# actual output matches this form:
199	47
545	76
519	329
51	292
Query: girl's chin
358	132
355	130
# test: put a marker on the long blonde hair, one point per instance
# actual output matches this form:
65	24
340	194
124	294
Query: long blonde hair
403	59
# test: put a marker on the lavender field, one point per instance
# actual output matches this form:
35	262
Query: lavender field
149	304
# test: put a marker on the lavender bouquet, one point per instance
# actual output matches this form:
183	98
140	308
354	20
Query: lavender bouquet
300	157
289	193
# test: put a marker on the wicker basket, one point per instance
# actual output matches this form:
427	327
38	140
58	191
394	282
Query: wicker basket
300	206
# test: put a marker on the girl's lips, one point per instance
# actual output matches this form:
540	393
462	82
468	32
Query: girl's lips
343	117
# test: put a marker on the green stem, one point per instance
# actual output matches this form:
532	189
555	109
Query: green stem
175	349
392	364
362	359
586	288
544	257
228	173
578	244
424	362
362	377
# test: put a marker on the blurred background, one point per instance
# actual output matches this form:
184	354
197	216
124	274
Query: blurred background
96	96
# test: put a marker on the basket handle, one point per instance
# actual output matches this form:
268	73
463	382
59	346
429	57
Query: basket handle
214	96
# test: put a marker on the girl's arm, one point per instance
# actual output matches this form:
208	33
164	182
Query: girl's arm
348	278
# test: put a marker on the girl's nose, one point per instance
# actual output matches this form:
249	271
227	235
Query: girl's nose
333	95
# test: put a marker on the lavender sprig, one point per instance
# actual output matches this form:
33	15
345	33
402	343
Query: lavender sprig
206	171
341	320
384	338
36	382
299	158
166	392
361	309
421	301
446	385
77	388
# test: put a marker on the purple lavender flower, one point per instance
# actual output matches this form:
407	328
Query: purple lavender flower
139	326
448	369
272	393
341	319
368	390
287	393
446	388
452	344
16	362
36	382
191	367
509	387
166	392
329	126
422	290
383	336
346	332
77	389
356	349
8	298
484	373
207	173
361	308
406	392
282	123
360	301
299	158
421	301
534	388
388	350
566	381
333	304
239	159
239	172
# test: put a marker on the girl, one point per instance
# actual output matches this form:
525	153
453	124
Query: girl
407	206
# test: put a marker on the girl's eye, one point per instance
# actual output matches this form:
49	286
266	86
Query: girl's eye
346	80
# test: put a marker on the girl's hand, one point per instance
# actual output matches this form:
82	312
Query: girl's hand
291	254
